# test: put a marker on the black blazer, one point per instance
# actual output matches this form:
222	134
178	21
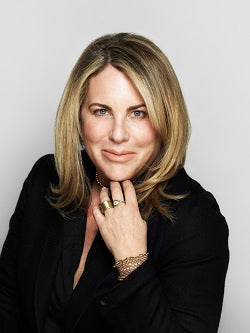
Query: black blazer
178	289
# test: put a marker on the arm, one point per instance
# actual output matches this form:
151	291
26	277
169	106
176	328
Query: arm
183	290
10	309
10	317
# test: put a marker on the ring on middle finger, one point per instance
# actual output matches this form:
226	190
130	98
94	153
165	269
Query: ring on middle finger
118	202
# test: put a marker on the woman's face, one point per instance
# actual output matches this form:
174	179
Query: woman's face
118	135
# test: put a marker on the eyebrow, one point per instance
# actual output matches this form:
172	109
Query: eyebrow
109	108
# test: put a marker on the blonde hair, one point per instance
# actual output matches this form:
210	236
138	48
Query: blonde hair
152	74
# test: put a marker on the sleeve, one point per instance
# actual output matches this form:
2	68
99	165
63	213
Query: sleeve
183	292
10	310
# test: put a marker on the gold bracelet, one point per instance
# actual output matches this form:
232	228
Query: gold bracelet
129	264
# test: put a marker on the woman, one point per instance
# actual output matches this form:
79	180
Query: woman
111	233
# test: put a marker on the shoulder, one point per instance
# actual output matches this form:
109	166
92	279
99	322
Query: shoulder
42	173
45	162
198	216
197	197
199	231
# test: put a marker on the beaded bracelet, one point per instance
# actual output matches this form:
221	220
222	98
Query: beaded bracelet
129	264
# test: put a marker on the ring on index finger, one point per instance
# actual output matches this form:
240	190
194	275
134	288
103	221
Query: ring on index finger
118	202
106	204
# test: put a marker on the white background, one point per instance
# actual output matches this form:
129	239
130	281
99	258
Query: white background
208	43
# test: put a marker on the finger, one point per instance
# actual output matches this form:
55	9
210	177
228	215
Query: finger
129	192
116	191
104	196
98	216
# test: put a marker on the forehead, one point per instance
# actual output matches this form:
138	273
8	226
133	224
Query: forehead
112	83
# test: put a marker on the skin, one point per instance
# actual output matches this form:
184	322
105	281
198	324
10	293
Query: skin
117	126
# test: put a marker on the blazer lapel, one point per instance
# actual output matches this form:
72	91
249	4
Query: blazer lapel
48	265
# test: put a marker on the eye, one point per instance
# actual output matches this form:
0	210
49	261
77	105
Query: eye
101	112
139	114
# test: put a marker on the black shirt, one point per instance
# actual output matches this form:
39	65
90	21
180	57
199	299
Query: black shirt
63	285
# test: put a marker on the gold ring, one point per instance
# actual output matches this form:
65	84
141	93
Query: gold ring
106	205
118	202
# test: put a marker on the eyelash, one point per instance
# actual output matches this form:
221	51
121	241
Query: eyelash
102	115
96	112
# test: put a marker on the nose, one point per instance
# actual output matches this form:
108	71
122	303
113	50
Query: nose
119	132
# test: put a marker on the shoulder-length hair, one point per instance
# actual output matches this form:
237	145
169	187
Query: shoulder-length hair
152	74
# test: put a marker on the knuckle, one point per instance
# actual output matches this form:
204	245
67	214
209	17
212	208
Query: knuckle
108	211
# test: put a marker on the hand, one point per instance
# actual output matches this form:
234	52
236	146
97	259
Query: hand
122	227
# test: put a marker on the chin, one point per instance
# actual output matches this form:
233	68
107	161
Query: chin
119	176
120	180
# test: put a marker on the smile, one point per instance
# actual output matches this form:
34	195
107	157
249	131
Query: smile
123	156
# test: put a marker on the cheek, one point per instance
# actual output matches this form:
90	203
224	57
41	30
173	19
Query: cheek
145	135
92	131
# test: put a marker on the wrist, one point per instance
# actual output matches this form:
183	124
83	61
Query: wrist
121	255
129	264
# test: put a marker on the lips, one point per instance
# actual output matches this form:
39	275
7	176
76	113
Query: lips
118	156
122	152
